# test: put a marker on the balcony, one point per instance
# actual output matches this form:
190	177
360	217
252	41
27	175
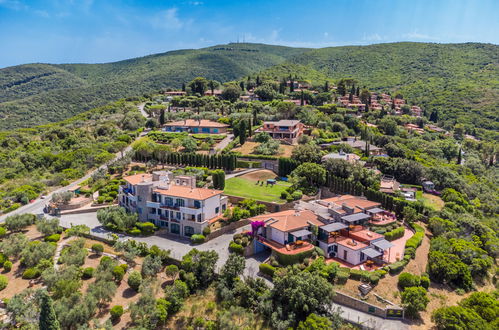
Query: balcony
190	210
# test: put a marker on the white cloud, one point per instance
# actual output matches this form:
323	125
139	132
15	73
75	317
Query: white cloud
196	3
417	35
169	19
13	4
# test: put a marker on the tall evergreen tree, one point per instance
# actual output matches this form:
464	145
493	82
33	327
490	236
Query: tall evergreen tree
48	319
250	129
302	98
241	84
242	131
459	156
326	86
352	90
162	117
183	87
341	88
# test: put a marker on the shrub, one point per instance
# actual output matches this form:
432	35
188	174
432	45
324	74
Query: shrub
97	248
3	232
342	276
410	251
320	252
134	232
206	231
105	260
116	312
3	259
118	273
296	195
237	236
88	273
7	266
135	280
396	267
374	279
424	281
31	273
53	238
395	234
407	280
358	274
3	282
146	228
267	269
124	266
197	239
236	248
284	195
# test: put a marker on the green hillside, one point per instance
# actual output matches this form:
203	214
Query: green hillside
41	93
459	80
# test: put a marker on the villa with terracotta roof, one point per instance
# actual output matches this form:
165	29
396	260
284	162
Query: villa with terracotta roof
284	130
196	126
172	202
287	232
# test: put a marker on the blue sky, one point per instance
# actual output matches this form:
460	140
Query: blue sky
90	31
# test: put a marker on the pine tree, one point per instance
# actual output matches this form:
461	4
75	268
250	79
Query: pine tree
48	319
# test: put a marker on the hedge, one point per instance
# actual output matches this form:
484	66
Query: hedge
248	164
397	267
424	282
395	234
407	280
342	276
358	274
374	278
291	259
267	269
53	238
146	228
197	238
236	248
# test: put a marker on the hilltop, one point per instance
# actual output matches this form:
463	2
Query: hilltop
457	80
35	94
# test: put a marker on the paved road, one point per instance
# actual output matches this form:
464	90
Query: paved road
37	206
225	142
142	111
249	170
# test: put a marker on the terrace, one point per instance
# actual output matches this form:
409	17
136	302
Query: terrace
288	249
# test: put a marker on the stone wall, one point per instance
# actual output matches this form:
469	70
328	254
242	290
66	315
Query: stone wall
230	227
343	299
271	207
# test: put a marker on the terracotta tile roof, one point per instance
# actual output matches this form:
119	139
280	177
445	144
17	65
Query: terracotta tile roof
352	201
197	123
365	235
290	219
188	192
138	178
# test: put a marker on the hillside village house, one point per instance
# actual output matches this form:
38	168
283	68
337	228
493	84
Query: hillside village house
360	145
173	203
351	158
285	130
196	126
340	225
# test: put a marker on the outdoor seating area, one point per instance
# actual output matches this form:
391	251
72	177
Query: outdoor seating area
288	249
383	218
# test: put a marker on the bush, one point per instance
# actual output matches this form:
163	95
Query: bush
424	281
267	269
395	234
236	248
3	259
134	232
88	273
374	279
3	282
206	231
342	276
358	274
296	195
105	260
7	266
146	228
97	248
135	280
118	273
125	267
31	273
407	280
116	312
396	267
53	238
197	239
3	232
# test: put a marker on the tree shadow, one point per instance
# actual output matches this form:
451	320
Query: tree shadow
129	293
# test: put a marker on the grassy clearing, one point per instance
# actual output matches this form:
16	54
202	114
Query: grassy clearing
249	189
430	200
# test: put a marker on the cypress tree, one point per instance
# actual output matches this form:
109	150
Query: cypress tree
326	86
162	117
250	131
48	319
302	99
183	87
242	132
459	156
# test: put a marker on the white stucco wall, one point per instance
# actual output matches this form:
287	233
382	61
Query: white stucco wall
353	256
277	235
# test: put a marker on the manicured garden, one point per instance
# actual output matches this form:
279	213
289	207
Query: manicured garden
242	187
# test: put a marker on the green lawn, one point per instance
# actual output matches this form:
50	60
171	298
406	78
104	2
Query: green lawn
430	200
249	189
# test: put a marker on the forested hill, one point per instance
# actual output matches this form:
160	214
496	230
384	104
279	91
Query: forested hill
34	94
459	80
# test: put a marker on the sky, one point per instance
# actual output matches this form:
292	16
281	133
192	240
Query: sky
96	31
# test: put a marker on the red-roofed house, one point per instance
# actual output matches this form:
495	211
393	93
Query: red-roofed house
196	126
171	202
